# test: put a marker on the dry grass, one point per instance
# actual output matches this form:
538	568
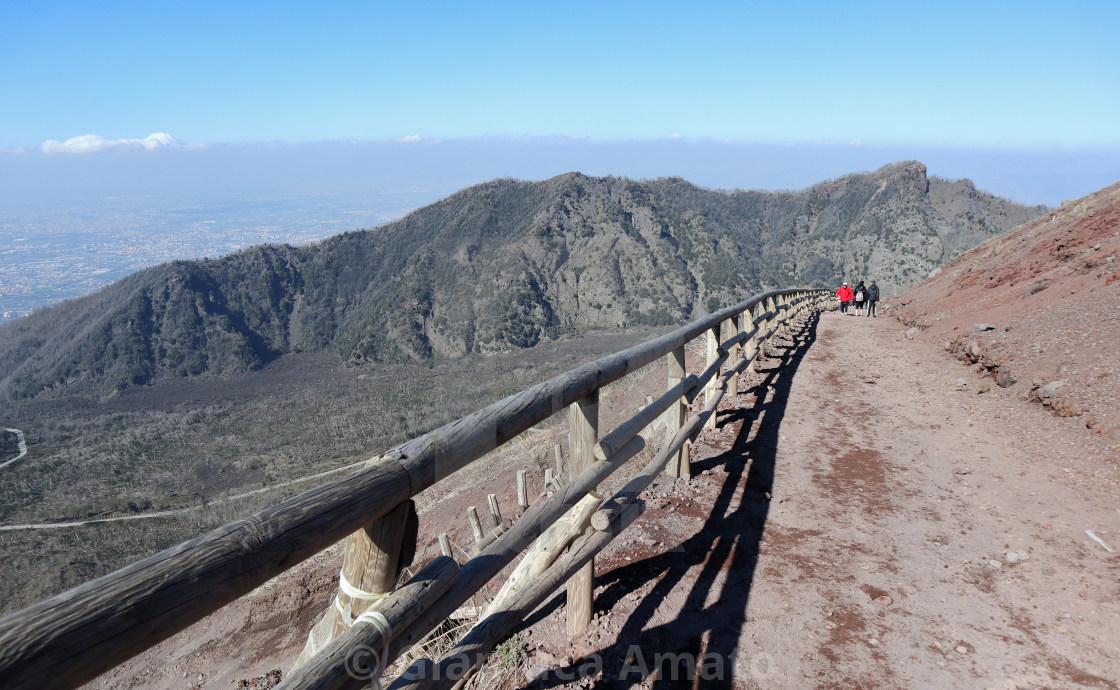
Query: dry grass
191	444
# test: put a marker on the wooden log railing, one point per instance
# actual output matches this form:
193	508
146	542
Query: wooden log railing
75	636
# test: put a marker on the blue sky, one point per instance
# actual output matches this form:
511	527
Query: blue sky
1004	77
945	73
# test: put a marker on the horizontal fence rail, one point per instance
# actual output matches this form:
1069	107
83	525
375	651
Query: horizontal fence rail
75	636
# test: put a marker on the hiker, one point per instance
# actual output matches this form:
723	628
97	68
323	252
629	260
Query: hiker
860	296
844	294
872	299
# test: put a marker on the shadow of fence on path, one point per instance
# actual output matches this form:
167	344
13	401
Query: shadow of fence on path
706	631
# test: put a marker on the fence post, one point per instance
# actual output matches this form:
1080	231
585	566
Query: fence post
495	512
713	355
373	558
371	562
770	304
733	356
476	525
522	491
583	433
752	342
678	466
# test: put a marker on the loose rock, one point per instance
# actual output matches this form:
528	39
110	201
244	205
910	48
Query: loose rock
1041	378
1051	389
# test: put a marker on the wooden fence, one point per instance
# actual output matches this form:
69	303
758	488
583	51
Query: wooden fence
74	636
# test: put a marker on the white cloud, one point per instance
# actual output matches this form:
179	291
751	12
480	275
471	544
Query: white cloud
412	139
855	142
675	135
94	143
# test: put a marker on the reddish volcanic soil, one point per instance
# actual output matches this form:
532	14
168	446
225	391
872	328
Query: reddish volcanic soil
1051	291
871	511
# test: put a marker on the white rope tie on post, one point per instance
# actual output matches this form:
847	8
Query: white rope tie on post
355	593
374	617
344	587
382	623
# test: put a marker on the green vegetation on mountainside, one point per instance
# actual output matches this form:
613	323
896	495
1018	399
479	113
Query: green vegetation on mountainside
495	267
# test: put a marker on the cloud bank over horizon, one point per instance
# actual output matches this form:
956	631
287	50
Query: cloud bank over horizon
428	168
95	143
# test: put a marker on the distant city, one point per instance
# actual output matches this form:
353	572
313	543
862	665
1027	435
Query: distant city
49	254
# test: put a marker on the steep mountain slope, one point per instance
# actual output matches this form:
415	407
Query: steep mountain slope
502	265
1050	292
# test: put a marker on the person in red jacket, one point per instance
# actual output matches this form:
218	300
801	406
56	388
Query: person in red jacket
844	294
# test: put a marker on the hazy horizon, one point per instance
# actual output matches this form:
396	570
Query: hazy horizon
70	222
436	168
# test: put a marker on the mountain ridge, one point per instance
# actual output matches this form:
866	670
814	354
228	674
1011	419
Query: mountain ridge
501	265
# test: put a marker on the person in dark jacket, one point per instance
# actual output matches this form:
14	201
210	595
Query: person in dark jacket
872	299
844	294
860	297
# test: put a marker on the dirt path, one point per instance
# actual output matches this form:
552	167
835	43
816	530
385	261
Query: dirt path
915	541
875	524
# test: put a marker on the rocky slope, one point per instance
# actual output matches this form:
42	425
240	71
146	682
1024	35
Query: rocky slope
502	265
1037	309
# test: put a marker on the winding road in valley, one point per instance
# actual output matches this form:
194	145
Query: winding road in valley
22	447
166	513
